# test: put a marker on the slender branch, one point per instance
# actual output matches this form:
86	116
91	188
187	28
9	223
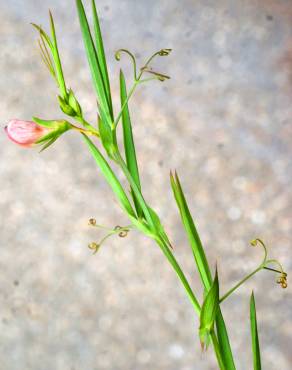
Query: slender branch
90	131
240	283
87	125
164	247
133	88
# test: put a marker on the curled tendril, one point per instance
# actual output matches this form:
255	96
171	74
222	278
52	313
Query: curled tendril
257	242
282	280
118	58
123	232
94	246
92	222
164	52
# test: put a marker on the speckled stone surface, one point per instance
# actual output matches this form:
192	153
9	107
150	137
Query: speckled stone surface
223	121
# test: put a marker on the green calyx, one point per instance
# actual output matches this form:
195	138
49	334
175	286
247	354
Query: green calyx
70	105
55	128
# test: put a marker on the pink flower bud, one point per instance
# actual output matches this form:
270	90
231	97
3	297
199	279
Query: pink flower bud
25	133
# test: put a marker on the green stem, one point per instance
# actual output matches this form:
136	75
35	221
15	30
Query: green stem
86	124
90	131
165	249
240	283
172	260
133	88
217	351
135	188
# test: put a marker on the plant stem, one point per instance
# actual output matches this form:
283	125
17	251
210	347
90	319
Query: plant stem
133	88
85	123
172	260
163	246
217	351
240	283
86	132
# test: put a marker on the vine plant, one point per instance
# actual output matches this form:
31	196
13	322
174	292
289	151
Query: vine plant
140	214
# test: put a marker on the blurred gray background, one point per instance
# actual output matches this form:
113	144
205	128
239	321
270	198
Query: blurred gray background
223	121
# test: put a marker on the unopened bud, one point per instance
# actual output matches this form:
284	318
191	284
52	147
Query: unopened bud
28	133
25	133
66	108
73	103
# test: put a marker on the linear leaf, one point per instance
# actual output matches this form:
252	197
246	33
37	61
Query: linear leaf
57	60
106	135
202	265
110	177
159	227
94	65
101	56
209	312
254	335
224	341
193	236
129	145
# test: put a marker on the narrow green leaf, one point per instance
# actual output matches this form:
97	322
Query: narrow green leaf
110	177
94	65
223	341
209	312
159	227
202	265
106	135
101	56
254	335
129	145
193	236
57	60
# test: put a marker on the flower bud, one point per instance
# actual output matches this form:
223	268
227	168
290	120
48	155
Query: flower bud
25	133
28	133
66	108
74	104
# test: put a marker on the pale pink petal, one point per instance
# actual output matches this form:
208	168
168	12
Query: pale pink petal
24	133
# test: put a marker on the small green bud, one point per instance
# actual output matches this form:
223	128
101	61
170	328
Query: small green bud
73	103
66	108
